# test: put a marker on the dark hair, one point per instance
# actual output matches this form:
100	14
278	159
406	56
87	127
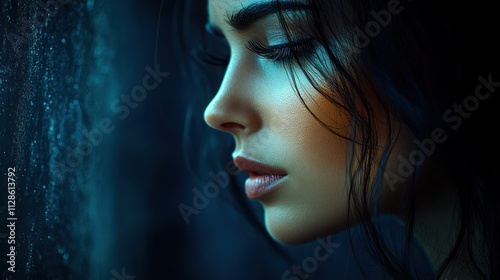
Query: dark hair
410	71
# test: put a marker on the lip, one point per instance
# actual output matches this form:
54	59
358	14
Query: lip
263	179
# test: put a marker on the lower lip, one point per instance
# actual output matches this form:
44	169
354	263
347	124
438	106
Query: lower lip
259	186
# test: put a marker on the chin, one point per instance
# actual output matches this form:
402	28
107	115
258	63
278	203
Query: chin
291	228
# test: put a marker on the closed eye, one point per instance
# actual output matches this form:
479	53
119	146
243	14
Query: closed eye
283	52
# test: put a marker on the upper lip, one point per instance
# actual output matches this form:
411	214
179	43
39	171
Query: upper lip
255	168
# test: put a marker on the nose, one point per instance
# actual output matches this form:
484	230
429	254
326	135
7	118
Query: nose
234	107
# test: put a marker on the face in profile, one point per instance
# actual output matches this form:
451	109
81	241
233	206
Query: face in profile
297	168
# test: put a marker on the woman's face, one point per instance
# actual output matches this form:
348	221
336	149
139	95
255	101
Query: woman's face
300	177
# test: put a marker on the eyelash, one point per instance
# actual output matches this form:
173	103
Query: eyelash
281	53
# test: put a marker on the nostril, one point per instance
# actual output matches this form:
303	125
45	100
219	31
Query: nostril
231	126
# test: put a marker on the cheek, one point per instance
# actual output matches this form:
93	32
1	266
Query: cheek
315	148
314	201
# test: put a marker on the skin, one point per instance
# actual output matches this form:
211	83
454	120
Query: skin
259	106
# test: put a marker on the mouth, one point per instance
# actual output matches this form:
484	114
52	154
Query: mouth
264	179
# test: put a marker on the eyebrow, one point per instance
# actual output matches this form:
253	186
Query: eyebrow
253	12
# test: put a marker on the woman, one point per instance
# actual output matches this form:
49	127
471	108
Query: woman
345	111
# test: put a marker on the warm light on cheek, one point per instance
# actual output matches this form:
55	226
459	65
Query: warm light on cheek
332	115
324	106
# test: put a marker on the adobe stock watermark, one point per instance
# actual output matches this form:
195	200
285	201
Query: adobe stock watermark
46	10
201	199
122	276
122	106
310	264
452	117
